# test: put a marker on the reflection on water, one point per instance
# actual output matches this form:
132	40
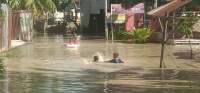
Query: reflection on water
47	66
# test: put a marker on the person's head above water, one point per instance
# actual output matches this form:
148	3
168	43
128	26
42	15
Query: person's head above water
115	55
116	58
95	59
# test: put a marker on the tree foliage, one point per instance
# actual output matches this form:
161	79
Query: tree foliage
195	5
186	25
196	2
62	4
2	1
1	12
37	7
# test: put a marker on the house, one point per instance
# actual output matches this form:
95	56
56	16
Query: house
176	13
93	14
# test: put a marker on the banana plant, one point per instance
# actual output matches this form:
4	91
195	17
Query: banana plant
40	7
186	27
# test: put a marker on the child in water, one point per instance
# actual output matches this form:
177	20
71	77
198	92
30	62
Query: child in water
116	58
95	59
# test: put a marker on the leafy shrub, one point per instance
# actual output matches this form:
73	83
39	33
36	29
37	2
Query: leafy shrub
1	65
122	35
186	26
141	35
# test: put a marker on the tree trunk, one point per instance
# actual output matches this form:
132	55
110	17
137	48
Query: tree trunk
191	51
46	22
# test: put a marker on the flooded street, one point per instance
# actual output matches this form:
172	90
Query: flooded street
47	66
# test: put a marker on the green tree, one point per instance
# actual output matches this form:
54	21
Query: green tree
62	4
1	12
67	5
2	1
38	7
197	2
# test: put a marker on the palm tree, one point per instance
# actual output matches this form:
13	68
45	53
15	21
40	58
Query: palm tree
40	7
37	7
15	4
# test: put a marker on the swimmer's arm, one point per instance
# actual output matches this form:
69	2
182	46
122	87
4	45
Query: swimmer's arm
109	61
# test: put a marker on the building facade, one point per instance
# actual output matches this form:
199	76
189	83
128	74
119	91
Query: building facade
93	15
93	12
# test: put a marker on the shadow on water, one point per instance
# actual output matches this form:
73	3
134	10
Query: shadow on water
183	55
138	80
131	80
2	77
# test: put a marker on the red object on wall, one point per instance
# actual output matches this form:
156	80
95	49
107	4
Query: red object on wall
130	24
135	17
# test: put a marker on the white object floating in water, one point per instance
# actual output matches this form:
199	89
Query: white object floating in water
71	45
74	44
101	57
85	61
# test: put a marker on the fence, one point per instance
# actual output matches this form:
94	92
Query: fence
14	25
22	24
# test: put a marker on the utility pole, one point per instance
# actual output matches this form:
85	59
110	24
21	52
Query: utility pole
112	24
155	3
164	27
106	21
163	42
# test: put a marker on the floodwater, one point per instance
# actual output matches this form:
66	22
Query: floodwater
47	66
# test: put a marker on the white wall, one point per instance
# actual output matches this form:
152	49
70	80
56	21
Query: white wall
85	10
5	31
90	7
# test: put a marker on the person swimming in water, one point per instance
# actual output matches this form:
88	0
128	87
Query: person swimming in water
116	58
99	58
95	59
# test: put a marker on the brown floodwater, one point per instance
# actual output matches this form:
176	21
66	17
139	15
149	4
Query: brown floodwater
47	66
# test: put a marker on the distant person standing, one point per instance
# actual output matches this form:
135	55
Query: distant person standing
72	36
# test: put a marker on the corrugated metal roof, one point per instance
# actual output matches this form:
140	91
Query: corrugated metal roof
168	8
